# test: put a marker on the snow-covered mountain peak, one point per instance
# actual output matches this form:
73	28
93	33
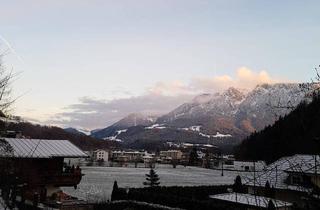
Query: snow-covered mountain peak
236	109
135	119
81	131
203	98
131	120
233	114
235	94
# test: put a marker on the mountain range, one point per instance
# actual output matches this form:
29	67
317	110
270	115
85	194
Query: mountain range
30	130
223	118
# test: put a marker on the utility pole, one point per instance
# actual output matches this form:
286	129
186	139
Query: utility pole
254	183
315	165
221	165
275	185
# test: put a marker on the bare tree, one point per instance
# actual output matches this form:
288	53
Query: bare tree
307	90
7	184
6	78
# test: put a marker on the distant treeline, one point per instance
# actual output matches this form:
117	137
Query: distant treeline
190	198
52	132
296	133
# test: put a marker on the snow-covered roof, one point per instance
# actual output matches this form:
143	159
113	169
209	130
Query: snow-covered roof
39	148
277	172
147	157
306	167
100	150
170	151
313	170
250	200
209	145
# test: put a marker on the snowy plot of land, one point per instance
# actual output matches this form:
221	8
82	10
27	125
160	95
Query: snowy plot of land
97	183
218	135
115	137
156	126
84	131
194	128
197	128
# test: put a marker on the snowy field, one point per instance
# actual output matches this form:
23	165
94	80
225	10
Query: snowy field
97	183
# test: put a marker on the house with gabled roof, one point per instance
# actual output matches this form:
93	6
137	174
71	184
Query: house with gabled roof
100	155
292	179
34	168
288	182
248	201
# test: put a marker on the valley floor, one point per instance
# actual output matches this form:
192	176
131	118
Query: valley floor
97	183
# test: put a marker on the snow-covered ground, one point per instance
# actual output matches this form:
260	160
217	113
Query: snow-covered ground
98	181
84	131
156	126
218	135
197	128
115	137
193	128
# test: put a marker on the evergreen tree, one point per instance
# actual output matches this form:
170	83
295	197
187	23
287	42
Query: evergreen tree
269	192
193	159
267	186
271	205
207	160
237	186
296	133
115	191
152	179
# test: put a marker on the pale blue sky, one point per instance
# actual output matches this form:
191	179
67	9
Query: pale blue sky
114	49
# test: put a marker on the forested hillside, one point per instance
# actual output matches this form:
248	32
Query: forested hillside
51	132
296	133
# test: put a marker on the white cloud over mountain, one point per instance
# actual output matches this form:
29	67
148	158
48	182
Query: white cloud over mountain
94	113
243	78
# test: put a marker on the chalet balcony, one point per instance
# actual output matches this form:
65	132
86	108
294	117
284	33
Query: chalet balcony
63	179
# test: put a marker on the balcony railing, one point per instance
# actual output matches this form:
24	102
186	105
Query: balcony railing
63	179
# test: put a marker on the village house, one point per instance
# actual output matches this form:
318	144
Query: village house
250	202
128	156
100	155
292	179
149	160
289	181
171	155
39	170
229	163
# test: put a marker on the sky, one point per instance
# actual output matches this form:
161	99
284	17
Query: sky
88	63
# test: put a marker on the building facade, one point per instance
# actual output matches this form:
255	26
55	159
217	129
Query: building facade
100	155
171	155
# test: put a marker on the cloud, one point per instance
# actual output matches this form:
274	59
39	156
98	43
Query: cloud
93	113
172	88
159	99
244	78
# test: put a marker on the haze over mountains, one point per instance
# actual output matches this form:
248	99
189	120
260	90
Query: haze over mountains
222	118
